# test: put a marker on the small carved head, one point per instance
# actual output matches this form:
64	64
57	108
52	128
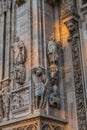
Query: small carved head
17	39
71	27
53	71
38	71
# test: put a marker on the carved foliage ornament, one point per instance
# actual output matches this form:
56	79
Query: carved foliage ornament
72	26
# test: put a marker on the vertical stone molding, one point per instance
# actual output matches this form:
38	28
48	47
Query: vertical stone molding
74	40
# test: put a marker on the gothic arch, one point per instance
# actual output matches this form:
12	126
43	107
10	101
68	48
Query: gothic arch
32	127
20	128
57	128
46	127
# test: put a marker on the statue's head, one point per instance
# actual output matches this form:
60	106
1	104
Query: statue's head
38	70
17	39
71	25
53	70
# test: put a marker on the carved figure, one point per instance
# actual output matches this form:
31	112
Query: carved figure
54	100
52	51
53	58
19	54
6	101
15	101
54	73
39	81
20	74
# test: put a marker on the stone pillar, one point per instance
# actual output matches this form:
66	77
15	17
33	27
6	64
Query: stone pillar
71	20
6	14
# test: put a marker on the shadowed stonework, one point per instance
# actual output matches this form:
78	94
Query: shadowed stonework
43	65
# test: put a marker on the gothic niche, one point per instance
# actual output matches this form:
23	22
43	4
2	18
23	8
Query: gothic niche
19	58
52	54
46	127
40	83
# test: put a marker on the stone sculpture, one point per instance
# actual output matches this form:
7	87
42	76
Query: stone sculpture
6	102
52	51
15	102
19	54
40	84
53	56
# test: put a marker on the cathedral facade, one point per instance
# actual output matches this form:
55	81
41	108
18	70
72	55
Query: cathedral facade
43	64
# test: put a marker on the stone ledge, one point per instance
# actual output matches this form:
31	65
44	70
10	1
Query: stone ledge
32	117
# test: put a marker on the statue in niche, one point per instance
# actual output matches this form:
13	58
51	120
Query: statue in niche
52	51
19	54
6	101
40	86
53	96
19	74
1	107
53	58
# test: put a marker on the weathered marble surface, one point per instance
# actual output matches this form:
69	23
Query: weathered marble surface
39	75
